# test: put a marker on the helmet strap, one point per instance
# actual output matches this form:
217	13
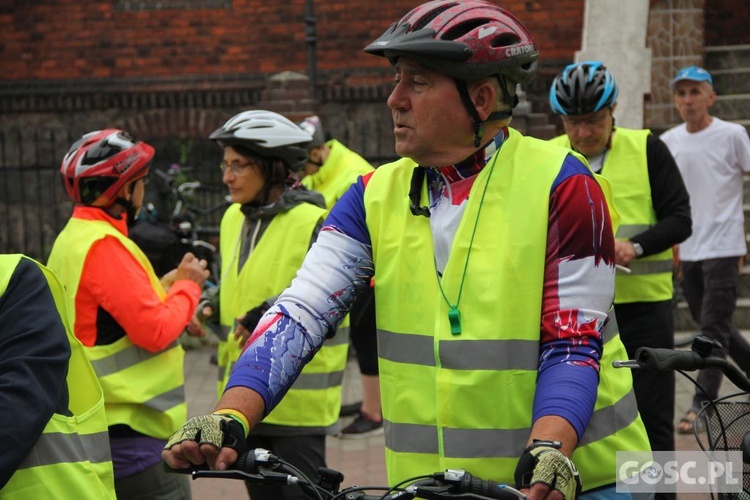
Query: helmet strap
463	91
130	209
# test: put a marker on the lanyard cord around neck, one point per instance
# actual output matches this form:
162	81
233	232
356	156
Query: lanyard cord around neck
454	314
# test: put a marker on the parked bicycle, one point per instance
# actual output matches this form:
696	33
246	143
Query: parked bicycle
726	420
262	467
171	224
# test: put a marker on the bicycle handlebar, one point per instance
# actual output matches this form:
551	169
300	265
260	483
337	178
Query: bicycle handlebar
261	467
673	359
453	483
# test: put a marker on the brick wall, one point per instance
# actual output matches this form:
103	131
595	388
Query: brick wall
72	40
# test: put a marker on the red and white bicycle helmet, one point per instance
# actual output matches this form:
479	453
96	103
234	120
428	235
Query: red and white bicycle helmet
467	40
100	163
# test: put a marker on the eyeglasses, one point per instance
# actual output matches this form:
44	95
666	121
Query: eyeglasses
235	167
595	120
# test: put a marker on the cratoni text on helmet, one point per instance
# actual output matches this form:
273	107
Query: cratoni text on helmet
517	51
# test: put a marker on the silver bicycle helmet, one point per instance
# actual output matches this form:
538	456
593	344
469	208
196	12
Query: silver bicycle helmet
266	134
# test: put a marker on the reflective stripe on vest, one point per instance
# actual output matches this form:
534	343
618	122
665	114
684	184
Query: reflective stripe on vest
143	390
434	397
493	443
491	354
315	398
626	168
63	448
71	458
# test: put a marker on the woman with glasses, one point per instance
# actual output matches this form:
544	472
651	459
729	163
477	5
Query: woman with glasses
264	237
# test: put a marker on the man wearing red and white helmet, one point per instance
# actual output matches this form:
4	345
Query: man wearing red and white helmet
121	312
493	261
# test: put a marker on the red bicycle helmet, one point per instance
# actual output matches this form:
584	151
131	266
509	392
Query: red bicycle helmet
467	40
100	163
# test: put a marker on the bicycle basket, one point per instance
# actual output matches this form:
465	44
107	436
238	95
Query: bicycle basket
726	423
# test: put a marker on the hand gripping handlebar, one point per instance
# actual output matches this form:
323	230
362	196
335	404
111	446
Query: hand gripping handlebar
261	467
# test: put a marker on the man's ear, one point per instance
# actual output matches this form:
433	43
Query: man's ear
483	96
711	97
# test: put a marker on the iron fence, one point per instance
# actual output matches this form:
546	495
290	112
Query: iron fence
34	206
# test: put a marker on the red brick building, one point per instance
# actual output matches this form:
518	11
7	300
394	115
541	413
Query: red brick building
215	39
175	67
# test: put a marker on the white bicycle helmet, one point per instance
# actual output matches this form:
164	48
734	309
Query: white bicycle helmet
266	134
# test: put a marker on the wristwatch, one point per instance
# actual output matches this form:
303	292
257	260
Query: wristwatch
638	248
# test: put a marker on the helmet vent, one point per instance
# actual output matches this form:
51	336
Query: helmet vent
108	148
463	28
427	19
506	40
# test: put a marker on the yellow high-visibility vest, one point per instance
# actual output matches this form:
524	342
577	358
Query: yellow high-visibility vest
71	459
315	398
650	278
143	390
465	401
340	170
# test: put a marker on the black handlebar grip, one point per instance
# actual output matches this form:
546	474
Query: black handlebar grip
487	488
669	359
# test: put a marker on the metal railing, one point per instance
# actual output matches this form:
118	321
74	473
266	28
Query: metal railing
34	206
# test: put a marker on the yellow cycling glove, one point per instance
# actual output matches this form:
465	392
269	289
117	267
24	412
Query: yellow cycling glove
543	462
220	430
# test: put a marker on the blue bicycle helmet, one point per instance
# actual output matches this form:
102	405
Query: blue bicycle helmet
583	88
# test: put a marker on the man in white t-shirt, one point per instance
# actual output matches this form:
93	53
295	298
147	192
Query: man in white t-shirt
712	156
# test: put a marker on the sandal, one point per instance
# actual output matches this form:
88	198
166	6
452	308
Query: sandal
687	423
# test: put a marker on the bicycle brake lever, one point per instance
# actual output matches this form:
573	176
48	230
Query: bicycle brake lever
263	476
630	363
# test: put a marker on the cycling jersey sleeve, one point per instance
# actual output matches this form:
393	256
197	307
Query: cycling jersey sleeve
579	267
348	214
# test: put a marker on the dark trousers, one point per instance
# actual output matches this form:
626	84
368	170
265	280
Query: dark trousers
307	453
711	292
651	324
363	333
153	484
